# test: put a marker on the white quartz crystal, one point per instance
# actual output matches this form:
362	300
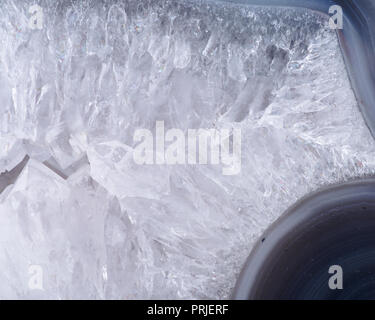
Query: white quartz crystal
73	93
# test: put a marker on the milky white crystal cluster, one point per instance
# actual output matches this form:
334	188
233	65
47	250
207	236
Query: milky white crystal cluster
73	93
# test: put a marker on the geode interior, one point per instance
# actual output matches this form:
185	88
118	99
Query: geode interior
72	95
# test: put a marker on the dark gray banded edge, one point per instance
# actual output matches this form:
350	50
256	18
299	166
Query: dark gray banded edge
306	214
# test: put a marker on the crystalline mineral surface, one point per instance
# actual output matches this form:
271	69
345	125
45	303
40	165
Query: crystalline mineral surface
74	92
